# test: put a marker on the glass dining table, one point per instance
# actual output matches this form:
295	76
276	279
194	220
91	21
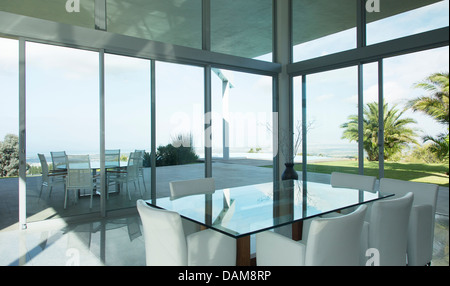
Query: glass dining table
242	211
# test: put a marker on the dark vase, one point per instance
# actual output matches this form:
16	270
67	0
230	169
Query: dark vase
289	173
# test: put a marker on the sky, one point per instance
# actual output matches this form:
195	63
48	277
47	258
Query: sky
63	103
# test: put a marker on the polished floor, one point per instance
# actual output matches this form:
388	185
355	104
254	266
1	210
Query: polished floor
118	241
114	242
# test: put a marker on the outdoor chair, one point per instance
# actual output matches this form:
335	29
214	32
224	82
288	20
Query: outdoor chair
179	189
50	180
422	219
167	245
130	174
387	231
79	176
330	242
112	163
140	157
59	161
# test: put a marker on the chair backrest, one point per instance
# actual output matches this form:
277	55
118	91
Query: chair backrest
420	245
133	166
44	167
140	156
180	189
424	193
388	229
345	180
165	243
79	173
59	160
337	240
112	158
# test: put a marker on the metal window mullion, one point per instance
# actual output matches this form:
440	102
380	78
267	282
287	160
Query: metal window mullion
361	31
22	136
304	130
360	120
153	130
380	120
102	132
100	15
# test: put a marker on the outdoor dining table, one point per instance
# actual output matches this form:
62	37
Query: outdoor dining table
95	166
242	211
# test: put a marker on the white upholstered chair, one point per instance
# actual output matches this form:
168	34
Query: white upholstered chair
387	230
422	218
179	189
345	180
331	241
166	244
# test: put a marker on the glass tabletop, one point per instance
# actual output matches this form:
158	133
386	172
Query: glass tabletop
245	210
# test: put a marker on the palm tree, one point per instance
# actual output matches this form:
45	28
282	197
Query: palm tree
397	135
435	104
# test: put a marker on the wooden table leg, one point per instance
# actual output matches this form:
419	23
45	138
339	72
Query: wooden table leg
243	251
297	229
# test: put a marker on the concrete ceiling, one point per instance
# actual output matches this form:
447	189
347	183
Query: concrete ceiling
238	27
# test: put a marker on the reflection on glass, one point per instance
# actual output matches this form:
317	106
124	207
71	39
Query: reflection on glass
179	124
322	27
62	115
401	18
241	128
169	21
127	128
248	23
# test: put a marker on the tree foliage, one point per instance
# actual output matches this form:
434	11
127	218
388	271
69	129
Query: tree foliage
436	105
397	133
9	156
179	152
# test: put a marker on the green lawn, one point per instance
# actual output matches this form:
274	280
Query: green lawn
426	173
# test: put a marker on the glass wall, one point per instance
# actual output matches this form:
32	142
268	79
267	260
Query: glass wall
9	141
322	27
179	124
332	112
127	128
241	128
422	155
62	116
78	13
248	23
396	19
169	21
